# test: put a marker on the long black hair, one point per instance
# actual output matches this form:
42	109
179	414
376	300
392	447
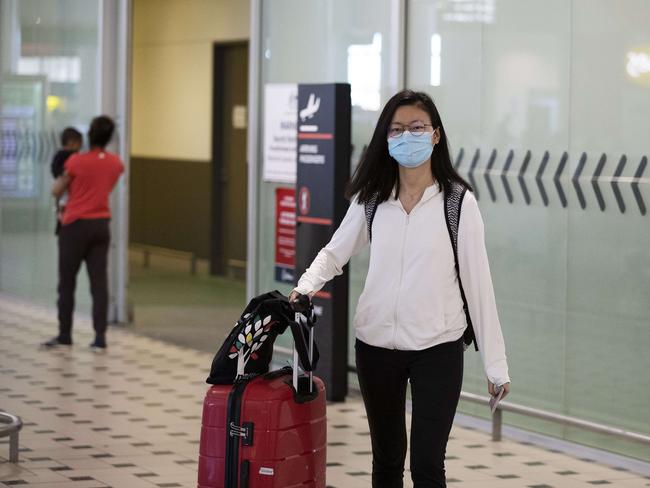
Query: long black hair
377	173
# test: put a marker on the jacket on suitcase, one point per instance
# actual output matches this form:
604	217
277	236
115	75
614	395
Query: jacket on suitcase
251	339
262	431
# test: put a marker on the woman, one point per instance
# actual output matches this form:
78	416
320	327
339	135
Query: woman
410	319
89	179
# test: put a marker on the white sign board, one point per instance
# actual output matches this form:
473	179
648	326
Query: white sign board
280	114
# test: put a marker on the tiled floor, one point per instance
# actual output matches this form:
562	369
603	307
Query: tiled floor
130	418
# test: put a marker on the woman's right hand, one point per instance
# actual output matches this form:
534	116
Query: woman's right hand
293	296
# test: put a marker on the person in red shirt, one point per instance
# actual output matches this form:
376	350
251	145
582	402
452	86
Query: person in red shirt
89	179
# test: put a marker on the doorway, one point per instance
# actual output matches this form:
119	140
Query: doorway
185	293
229	167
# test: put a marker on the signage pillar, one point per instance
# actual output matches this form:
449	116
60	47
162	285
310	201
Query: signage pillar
323	171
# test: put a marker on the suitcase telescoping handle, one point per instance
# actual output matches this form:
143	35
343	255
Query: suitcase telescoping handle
303	308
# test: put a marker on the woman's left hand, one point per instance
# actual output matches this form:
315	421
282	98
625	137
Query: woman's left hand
492	390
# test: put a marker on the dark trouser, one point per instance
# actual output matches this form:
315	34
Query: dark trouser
83	240
436	376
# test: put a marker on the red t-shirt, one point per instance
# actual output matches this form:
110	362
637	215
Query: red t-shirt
92	177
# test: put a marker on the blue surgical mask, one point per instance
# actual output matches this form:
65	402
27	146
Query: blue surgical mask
409	150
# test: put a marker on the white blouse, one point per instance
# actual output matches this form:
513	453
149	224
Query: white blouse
411	299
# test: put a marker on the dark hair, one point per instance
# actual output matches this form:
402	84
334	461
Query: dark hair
377	173
70	134
100	132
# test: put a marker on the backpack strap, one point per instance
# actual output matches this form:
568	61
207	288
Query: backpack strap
453	204
370	208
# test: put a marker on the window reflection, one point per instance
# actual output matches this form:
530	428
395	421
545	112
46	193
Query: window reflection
364	73
467	11
638	65
436	59
60	69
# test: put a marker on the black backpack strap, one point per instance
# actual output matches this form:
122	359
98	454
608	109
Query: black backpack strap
371	209
453	204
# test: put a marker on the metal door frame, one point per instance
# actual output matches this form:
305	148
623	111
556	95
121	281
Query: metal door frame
114	88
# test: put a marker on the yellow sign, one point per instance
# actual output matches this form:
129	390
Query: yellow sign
53	102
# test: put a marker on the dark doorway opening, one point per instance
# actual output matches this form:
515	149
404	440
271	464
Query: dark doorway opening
229	167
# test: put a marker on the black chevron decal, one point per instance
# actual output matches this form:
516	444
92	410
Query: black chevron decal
635	185
538	177
594	181
459	158
576	180
615	188
488	181
470	175
504	178
522	182
558	175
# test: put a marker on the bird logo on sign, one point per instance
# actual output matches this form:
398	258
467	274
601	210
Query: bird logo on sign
313	104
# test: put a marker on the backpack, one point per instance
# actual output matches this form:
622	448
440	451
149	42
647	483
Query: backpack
453	203
248	349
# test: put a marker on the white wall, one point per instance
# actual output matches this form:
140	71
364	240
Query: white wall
172	73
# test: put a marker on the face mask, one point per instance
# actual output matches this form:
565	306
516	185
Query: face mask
410	151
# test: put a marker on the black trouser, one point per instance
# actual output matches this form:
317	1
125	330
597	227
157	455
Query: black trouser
83	240
436	376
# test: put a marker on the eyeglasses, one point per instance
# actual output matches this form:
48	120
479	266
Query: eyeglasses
416	129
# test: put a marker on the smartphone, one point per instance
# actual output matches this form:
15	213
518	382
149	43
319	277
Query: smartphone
494	400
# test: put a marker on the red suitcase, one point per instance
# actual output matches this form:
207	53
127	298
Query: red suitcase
260	433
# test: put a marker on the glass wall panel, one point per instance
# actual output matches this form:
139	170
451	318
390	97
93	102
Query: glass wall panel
608	292
537	98
334	41
545	105
49	56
